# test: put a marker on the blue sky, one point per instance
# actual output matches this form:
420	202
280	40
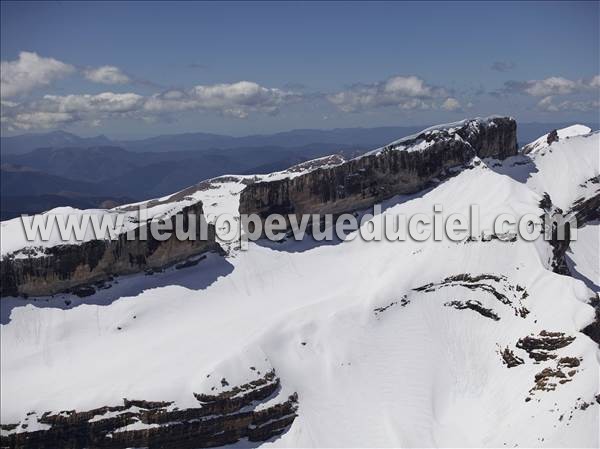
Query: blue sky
146	68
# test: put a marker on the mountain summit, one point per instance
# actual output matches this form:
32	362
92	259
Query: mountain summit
481	341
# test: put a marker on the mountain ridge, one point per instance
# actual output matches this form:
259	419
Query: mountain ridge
436	334
370	136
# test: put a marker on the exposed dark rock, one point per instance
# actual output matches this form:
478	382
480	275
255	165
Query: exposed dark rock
569	362
77	266
546	380
404	301
379	310
221	419
550	378
488	283
553	224
361	182
592	330
475	306
582	211
552	137
541	347
83	291
586	209
510	359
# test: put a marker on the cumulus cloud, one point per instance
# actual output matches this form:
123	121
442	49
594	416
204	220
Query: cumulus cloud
30	71
234	100
503	66
548	104
26	121
554	85
106	74
406	92
451	104
108	102
577	94
56	110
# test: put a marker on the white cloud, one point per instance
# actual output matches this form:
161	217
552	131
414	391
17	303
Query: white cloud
108	102
405	92
30	71
554	85
548	104
577	95
451	104
409	86
235	100
57	110
106	74
36	120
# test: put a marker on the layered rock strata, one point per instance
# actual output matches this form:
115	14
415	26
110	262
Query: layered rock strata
69	266
253	411
403	167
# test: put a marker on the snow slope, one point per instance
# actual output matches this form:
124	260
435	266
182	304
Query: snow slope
218	195
583	255
563	169
375	359
564	133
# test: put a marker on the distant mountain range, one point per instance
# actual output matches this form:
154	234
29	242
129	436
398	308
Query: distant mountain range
360	137
205	141
42	171
483	339
56	139
92	177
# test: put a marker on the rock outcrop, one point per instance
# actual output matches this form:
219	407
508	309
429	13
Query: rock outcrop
225	418
583	210
65	267
403	167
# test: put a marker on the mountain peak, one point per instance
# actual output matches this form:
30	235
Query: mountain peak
557	134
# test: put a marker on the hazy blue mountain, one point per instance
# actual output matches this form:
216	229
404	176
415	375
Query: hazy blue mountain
26	190
362	137
295	138
112	172
60	168
87	164
15	206
18	180
56	139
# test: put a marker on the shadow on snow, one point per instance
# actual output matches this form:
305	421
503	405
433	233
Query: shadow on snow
197	277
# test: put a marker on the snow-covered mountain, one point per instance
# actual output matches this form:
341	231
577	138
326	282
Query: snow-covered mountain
547	139
475	343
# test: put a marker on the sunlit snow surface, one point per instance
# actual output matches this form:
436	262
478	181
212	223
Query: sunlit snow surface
570	131
418	373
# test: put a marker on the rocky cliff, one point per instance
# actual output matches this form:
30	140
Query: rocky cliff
405	166
68	267
253	411
327	185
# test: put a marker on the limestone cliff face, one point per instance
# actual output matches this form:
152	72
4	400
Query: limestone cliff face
255	411
327	185
70	266
406	166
